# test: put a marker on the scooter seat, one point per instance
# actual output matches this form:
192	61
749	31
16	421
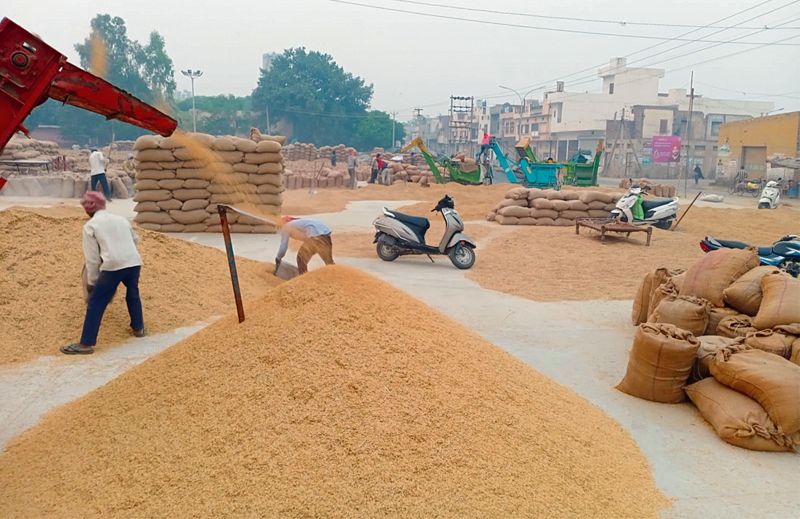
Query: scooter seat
652	203
417	224
733	244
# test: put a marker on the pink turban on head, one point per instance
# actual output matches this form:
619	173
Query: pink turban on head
93	201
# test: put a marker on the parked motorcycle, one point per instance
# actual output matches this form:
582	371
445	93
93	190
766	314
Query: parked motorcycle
770	196
784	253
398	234
660	212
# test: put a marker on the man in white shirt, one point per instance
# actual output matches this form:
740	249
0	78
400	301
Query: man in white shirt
97	164
316	238
109	247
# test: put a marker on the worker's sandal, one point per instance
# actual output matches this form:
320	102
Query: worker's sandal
76	349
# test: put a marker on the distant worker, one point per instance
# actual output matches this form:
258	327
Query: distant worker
109	248
129	166
484	146
352	164
316	238
333	159
97	165
373	168
376	166
698	173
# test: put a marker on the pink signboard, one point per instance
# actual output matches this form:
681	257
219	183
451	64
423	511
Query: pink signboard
666	148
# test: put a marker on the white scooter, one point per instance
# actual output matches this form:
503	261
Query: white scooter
770	196
660	212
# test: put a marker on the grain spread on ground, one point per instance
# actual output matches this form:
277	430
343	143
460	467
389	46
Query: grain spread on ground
552	264
41	307
322	404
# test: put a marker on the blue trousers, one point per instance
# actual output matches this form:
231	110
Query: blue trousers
101	295
103	181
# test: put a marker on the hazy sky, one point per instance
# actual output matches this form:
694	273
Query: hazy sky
419	61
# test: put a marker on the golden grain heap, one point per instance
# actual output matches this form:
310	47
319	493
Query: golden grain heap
41	304
339	396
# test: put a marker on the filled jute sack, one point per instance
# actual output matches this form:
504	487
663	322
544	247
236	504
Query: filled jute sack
738	325
716	271
686	312
744	294
738	419
515	211
659	294
771	341
709	346
715	316
770	380
780	303
660	363
648	286
517	193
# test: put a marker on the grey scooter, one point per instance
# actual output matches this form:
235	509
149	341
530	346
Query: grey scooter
398	234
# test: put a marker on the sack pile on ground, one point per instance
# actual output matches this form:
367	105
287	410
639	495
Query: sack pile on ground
660	190
28	149
180	180
741	323
316	174
406	172
305	151
548	207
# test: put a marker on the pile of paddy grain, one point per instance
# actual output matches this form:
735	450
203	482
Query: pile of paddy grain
41	302
338	396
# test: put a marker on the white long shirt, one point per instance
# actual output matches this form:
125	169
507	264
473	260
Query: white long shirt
109	244
97	162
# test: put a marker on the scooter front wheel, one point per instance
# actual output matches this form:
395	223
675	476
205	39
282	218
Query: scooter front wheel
462	256
387	252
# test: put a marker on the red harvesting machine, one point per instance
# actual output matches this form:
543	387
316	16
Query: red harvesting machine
31	71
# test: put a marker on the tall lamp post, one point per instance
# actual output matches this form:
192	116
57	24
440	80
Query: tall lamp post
521	98
192	75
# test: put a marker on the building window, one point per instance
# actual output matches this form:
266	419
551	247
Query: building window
715	128
524	128
611	88
663	126
534	127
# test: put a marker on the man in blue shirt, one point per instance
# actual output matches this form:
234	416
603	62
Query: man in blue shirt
316	238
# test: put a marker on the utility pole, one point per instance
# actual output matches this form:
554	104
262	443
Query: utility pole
394	138
688	135
610	157
268	125
192	75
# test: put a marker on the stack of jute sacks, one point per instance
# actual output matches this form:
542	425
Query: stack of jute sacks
725	334
28	149
300	151
655	189
313	174
180	181
400	173
548	207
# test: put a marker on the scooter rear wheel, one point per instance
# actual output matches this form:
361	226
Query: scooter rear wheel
386	252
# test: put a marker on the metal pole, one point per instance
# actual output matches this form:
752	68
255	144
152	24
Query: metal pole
268	125
194	110
688	136
394	135
226	234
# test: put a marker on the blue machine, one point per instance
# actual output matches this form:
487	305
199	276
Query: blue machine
528	171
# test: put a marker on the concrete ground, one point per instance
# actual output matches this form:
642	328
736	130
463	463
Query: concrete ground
582	345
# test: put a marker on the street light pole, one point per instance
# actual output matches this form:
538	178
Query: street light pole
192	75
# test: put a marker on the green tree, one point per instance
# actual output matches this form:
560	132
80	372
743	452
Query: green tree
144	71
309	90
218	115
376	130
156	67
